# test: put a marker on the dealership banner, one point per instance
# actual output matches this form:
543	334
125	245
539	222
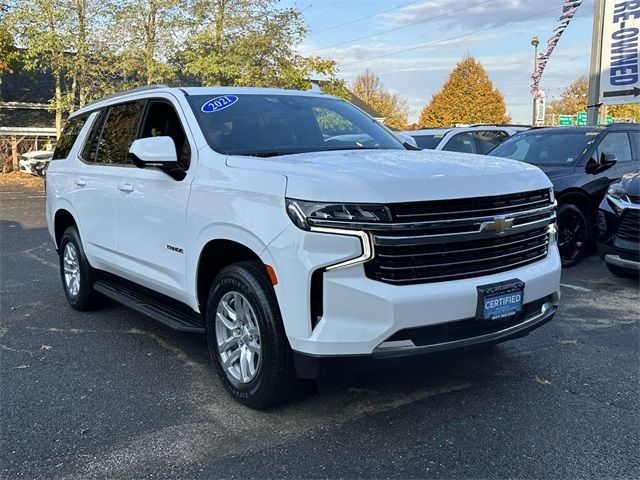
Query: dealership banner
569	8
619	75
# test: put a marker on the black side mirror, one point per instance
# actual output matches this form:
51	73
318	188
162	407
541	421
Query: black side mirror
607	161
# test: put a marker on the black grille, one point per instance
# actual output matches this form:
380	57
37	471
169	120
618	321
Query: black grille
450	240
629	226
634	199
469	207
408	264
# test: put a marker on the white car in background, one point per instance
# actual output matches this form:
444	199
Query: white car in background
478	139
35	162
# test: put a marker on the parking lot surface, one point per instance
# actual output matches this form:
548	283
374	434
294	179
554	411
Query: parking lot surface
113	394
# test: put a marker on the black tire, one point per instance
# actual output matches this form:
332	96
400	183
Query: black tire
86	297
274	381
575	234
623	272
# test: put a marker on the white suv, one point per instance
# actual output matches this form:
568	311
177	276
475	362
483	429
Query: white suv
472	139
300	235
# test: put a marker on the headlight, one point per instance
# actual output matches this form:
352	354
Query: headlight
616	191
307	214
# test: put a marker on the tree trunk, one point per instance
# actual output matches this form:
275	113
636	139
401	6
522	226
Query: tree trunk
58	101
14	153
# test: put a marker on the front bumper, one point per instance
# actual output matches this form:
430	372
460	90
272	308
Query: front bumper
388	354
360	314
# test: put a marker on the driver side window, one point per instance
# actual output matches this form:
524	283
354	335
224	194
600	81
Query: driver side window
161	119
615	143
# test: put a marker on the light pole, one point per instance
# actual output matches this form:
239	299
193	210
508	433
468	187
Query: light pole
534	42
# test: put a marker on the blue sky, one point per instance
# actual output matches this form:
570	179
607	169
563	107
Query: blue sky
501	42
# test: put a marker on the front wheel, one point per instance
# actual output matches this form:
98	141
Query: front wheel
574	234
246	337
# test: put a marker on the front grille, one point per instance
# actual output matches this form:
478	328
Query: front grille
443	243
629	227
635	199
469	207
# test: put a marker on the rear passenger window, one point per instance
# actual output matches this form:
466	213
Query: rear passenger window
90	148
118	133
487	139
635	140
69	136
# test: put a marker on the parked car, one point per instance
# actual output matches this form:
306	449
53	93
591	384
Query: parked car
35	162
225	211
581	162
472	139
619	225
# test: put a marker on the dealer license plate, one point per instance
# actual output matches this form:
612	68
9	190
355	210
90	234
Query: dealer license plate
500	301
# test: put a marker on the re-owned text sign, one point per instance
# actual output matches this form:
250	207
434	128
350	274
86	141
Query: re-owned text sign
620	78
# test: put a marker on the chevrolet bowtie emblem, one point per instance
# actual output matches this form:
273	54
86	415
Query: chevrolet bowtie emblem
499	225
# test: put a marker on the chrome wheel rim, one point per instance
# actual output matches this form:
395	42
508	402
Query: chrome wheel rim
238	338
71	267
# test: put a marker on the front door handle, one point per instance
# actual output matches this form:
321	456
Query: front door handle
81	182
125	187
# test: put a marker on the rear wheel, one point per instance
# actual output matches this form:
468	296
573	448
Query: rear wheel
76	273
246	337
575	233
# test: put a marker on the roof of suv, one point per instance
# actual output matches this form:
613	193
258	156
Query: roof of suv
443	131
582	128
132	94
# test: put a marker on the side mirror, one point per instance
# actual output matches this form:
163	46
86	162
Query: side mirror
156	152
608	160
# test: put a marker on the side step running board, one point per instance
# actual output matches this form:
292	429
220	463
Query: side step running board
183	321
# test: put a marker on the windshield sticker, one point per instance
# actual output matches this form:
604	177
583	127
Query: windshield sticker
219	103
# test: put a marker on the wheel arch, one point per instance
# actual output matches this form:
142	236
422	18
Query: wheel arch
579	198
215	255
62	219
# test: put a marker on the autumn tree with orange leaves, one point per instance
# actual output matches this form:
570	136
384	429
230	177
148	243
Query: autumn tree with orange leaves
468	96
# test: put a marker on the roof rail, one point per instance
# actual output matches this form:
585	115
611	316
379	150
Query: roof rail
499	125
127	92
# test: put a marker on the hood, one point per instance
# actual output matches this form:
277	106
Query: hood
386	176
630	183
555	171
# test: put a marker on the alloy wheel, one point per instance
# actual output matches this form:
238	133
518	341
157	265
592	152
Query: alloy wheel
71	269
238	337
572	235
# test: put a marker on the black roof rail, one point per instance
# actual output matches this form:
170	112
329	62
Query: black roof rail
127	92
499	125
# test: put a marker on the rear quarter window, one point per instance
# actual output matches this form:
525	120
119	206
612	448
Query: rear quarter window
69	136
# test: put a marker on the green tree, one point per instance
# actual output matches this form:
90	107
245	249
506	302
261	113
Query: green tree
574	99
392	107
41	26
468	96
249	43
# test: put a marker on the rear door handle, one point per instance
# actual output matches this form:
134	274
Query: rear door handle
125	187
81	182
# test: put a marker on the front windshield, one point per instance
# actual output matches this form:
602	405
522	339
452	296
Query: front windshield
270	125
428	142
545	147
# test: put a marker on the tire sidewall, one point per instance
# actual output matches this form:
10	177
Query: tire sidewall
253	288
83	300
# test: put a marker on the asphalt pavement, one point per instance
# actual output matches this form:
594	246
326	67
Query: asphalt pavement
113	394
